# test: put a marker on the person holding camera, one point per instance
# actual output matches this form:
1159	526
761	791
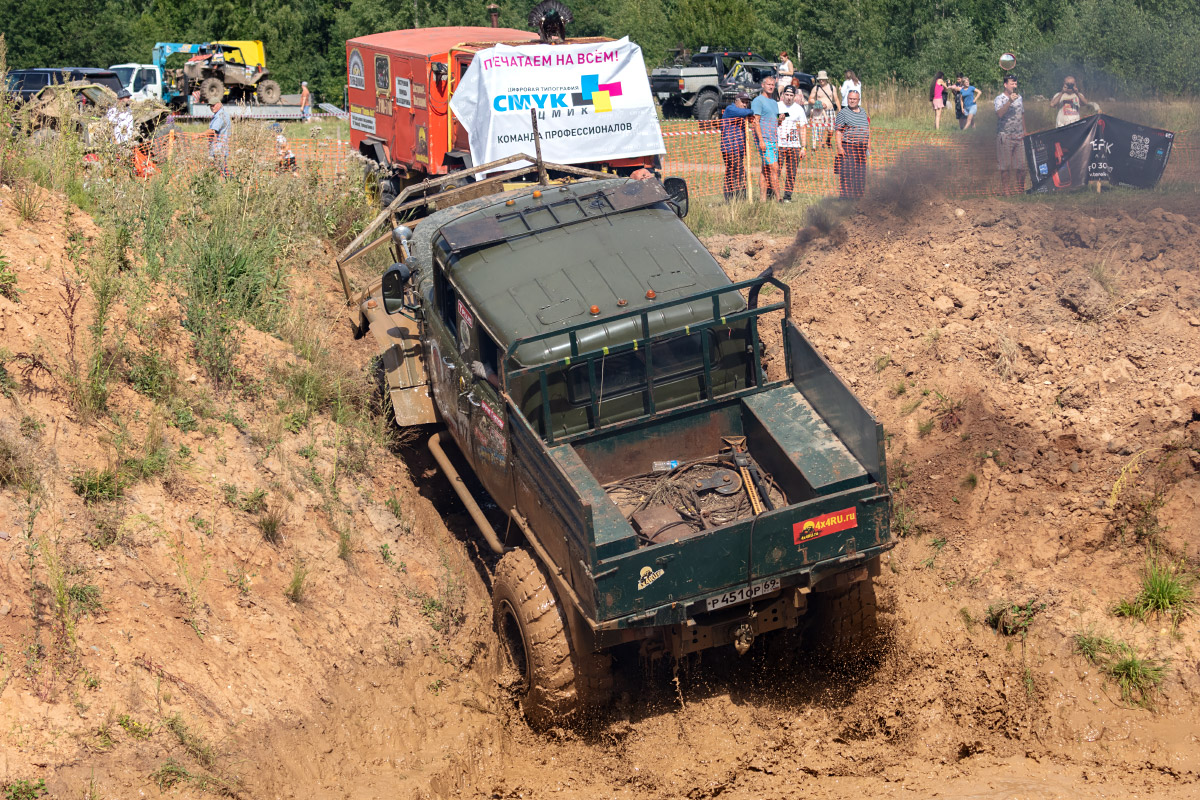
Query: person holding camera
1068	102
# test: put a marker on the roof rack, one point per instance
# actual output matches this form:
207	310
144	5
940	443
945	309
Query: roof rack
418	195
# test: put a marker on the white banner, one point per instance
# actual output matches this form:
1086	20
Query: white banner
593	102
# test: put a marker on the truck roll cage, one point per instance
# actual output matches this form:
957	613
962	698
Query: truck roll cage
645	344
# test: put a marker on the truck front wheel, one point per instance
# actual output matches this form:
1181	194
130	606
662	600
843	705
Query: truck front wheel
848	622
559	684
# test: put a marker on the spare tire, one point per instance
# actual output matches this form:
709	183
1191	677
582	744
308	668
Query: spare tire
212	90
268	93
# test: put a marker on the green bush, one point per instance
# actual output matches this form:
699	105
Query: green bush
98	485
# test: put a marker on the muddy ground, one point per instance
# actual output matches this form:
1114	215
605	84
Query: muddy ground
1025	359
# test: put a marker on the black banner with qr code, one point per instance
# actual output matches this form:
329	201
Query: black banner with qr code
1097	148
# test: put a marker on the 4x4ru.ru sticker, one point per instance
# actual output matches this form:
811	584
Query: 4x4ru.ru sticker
825	524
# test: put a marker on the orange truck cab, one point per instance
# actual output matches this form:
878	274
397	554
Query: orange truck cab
399	86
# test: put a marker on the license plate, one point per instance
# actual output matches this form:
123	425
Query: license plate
742	594
663	95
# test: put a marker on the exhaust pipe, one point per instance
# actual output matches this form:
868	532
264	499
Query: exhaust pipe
460	488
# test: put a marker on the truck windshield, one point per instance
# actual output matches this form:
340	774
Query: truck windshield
125	74
625	373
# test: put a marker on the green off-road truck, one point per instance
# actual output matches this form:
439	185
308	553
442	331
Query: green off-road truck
604	379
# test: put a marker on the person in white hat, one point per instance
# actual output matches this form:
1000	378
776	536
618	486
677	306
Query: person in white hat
305	101
825	104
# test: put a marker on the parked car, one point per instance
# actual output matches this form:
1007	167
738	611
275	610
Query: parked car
747	76
691	86
23	84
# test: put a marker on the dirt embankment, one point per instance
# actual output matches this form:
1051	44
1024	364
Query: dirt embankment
203	585
1033	366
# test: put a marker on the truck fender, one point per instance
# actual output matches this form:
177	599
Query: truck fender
405	380
375	150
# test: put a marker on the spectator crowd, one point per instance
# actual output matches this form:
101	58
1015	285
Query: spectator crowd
785	126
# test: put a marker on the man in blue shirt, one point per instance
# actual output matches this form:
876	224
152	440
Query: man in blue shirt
733	145
766	134
219	133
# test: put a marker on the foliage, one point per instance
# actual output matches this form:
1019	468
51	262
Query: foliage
98	485
295	588
8	281
1166	590
1013	619
138	730
25	790
1138	678
195	744
1111	45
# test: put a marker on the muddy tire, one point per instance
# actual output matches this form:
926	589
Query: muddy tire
558	685
212	90
268	92
848	622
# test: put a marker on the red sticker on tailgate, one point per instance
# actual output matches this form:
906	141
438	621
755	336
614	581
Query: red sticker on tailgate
825	524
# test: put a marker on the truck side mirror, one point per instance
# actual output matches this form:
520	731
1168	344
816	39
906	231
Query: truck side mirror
677	188
394	280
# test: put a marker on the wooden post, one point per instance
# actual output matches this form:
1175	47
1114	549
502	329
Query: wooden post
749	182
537	144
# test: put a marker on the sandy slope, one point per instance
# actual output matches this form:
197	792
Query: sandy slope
1055	348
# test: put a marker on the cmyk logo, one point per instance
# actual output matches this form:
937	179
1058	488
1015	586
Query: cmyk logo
597	94
593	93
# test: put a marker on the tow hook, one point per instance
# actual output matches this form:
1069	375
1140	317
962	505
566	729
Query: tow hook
743	637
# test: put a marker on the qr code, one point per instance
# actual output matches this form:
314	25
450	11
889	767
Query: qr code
1139	147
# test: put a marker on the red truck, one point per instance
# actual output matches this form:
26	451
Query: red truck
399	89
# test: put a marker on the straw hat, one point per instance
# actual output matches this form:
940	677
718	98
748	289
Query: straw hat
822	75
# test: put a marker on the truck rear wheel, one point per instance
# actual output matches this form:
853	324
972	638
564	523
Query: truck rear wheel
212	90
706	105
558	683
848	621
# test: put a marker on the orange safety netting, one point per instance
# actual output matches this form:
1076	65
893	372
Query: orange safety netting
962	163
324	159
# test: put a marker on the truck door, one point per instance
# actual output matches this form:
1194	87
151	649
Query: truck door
406	88
459	63
488	420
449	339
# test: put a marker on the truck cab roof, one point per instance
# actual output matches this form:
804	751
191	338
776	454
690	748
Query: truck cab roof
541	259
436	41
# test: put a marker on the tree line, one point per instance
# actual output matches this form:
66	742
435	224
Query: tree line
1115	47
